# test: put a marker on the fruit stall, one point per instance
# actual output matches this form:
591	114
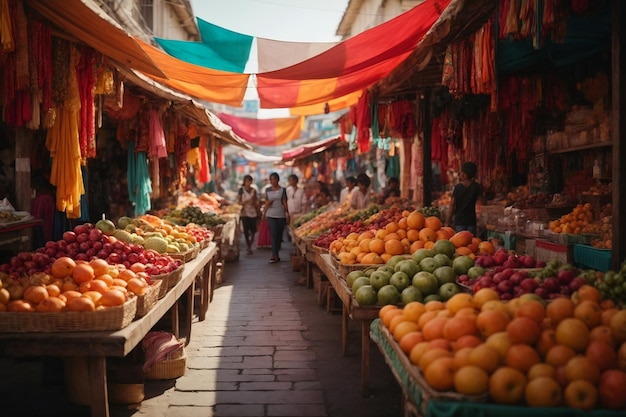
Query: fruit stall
457	318
100	289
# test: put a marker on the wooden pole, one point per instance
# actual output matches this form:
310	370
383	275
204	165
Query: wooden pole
618	126
23	149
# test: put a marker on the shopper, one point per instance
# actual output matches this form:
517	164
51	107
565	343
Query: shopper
362	195
347	191
250	210
276	211
462	209
323	197
296	199
392	190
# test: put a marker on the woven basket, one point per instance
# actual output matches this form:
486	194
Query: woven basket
320	250
169	368
175	276
345	269
187	255
164	278
111	318
149	299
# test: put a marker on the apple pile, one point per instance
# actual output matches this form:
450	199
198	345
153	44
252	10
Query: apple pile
86	242
553	280
506	259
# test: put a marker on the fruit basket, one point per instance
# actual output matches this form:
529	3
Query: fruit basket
146	301
413	384
111	318
319	250
164	279
188	255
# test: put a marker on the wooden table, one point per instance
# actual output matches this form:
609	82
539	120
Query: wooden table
95	347
351	310
308	256
18	236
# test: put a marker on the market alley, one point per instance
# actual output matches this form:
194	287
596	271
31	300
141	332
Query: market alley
266	349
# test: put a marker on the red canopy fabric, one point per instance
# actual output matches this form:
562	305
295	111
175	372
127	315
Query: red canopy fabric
352	65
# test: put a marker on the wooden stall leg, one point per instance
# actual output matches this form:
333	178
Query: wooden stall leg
365	357
175	320
205	288
189	312
97	369
344	330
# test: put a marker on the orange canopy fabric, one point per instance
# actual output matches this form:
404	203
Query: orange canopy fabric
200	82
265	132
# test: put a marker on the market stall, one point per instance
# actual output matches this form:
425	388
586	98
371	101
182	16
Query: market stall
95	347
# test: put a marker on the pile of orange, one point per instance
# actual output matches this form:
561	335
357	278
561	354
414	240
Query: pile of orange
570	352
405	236
573	222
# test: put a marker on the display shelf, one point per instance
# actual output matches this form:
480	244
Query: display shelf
580	148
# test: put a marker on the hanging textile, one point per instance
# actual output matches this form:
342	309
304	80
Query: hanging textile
86	74
62	139
156	136
204	175
362	121
138	178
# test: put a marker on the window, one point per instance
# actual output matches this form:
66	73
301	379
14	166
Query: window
146	8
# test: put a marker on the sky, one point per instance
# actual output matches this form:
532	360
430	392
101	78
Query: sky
285	20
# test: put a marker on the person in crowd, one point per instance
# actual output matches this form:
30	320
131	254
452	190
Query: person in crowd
276	212
362	195
462	209
323	197
296	198
250	210
347	191
392	190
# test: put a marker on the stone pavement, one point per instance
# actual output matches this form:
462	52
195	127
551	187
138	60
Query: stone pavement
266	349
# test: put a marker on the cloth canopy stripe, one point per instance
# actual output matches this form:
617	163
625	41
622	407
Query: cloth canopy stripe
200	82
219	49
265	132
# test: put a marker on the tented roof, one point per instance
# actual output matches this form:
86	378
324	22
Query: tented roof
309	149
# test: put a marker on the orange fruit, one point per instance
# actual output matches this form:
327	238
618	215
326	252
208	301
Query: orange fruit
483	295
471	380
81	304
458	301
427	235
100	266
83	272
35	294
434	328
377	246
523	330
409	340
403	328
574	333
521	356
489	322
588	293
533	310
62	267
392	227
415	220
440	374
581	367
602	354
485	357
589	312
394	247
113	298
559	309
469	340
433	222
418	351
430	355
559	355
459	326
413	310
384	309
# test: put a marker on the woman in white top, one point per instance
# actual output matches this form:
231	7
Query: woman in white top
346	193
277	214
249	201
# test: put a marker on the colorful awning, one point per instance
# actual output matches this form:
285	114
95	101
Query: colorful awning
265	132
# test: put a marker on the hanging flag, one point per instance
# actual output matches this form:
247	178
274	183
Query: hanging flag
265	132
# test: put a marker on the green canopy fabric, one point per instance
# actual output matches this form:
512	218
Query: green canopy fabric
220	48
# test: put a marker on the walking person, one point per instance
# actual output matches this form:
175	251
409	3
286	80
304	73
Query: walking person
276	212
248	198
462	210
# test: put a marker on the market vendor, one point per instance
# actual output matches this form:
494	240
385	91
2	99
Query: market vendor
462	209
392	190
346	193
296	198
362	196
